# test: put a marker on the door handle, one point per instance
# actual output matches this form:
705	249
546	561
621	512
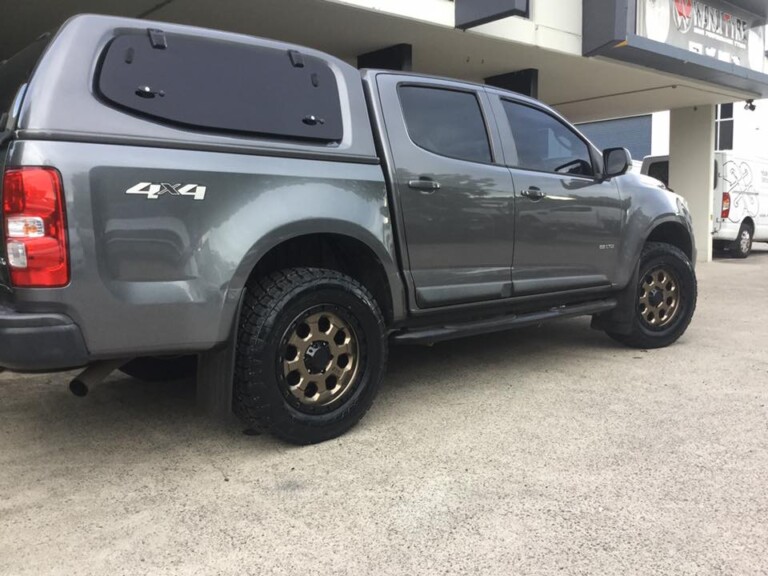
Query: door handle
424	184
534	193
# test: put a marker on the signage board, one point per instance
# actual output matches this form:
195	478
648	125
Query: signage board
711	28
470	13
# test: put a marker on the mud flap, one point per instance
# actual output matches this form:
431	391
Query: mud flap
215	371
619	320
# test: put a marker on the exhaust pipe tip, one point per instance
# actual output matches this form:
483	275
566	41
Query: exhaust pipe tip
92	375
78	388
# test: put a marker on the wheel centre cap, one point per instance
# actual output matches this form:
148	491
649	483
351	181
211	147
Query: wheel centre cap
655	297
317	357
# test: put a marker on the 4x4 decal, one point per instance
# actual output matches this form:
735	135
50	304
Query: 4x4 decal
154	191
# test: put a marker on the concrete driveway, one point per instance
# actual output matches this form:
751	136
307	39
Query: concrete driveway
549	450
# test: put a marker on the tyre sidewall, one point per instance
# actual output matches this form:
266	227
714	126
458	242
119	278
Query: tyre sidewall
286	420
682	268
736	248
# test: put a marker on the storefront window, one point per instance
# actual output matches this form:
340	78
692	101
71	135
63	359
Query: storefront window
724	127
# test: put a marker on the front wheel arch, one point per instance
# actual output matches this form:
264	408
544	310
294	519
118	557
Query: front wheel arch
674	234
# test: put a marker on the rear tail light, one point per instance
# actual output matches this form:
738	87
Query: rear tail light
35	228
726	211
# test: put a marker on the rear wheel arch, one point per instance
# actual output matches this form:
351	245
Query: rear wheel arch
283	247
333	251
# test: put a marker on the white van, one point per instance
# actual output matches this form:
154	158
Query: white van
740	199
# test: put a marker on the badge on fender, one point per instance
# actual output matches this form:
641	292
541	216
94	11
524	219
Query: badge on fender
154	191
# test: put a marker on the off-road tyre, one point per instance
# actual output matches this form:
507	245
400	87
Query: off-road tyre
275	310
662	266
161	368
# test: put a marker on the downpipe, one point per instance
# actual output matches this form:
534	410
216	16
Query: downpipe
94	374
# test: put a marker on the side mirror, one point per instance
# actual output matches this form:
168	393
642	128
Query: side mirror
617	161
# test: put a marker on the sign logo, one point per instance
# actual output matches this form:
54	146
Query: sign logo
714	23
683	15
154	191
713	28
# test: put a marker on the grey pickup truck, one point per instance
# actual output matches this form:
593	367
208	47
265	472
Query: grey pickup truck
175	198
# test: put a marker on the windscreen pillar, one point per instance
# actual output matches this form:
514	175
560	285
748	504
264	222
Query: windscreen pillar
692	168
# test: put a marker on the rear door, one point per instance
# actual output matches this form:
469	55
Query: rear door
454	195
761	183
568	222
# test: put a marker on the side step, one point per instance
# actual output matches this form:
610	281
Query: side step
433	334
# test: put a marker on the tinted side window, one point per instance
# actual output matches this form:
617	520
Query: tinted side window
223	86
446	122
545	144
660	171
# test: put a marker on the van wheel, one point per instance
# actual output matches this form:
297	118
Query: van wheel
742	246
311	354
665	298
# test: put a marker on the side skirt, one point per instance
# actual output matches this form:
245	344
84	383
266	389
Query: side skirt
448	331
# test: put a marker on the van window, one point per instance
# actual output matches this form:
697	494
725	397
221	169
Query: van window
215	85
660	171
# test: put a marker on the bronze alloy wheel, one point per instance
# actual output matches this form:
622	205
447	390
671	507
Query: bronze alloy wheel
320	360
659	298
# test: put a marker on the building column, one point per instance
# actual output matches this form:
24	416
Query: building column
397	57
692	168
523	82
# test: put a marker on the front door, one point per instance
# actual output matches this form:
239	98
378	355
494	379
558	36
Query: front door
455	203
568	225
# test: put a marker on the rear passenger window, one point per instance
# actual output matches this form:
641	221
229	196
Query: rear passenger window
217	85
446	122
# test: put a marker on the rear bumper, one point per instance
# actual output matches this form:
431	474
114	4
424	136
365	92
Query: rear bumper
31	342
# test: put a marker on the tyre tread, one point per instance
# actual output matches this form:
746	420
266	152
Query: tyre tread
639	338
263	301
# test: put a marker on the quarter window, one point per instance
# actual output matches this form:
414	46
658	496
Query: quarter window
544	143
446	122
